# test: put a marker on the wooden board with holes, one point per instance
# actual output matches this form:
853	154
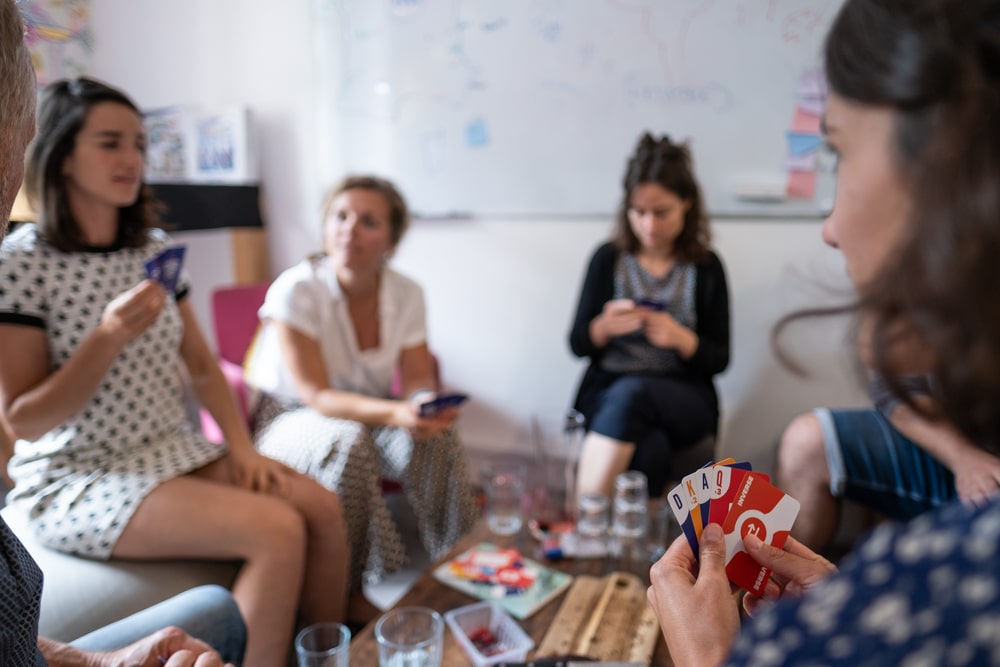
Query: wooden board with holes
607	618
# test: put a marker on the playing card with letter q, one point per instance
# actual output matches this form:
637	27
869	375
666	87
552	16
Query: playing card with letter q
761	509
725	481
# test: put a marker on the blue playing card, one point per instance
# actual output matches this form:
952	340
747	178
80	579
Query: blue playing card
165	268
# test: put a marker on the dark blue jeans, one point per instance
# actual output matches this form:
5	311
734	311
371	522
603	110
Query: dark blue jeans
661	415
206	612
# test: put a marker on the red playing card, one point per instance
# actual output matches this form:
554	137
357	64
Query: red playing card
761	509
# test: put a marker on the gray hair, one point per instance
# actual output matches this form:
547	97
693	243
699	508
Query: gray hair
17	103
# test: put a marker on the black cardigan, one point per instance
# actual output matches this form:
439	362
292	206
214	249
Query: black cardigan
712	327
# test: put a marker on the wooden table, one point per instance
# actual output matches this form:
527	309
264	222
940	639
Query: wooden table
428	592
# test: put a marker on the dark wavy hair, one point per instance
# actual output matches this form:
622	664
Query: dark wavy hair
668	164
936	65
62	111
399	212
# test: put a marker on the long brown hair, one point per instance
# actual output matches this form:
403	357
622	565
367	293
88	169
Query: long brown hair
668	164
936	65
61	114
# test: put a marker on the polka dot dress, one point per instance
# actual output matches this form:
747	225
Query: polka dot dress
923	594
81	482
351	459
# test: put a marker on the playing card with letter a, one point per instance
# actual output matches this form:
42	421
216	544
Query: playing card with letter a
765	511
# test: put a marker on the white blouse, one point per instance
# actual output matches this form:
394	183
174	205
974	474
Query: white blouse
308	298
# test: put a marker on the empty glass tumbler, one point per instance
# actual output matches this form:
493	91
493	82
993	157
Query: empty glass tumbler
630	516
592	516
323	645
504	486
410	637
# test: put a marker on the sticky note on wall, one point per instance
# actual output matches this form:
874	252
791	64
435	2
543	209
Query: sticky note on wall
805	122
801	184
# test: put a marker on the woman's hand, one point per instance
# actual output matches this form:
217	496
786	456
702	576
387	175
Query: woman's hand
977	476
171	647
407	415
129	315
694	602
251	470
794	569
620	317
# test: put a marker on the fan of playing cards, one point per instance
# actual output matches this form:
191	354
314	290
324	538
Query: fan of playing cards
743	502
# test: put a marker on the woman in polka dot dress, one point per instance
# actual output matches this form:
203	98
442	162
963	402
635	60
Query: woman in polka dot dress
915	97
106	463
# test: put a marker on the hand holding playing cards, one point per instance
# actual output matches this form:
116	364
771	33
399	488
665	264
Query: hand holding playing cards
132	312
794	569
694	601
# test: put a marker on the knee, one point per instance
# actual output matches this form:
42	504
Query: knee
320	504
282	527
216	603
625	391
801	450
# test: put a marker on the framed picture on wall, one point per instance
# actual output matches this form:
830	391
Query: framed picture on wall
192	145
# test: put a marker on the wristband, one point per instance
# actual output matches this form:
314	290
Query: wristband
417	392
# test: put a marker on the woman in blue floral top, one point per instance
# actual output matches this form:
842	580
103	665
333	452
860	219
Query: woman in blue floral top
912	114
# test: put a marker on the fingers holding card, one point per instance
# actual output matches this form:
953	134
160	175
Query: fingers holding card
743	502
441	402
165	267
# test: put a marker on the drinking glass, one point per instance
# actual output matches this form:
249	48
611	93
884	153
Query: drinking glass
659	538
592	516
323	645
409	637
592	525
504	485
630	515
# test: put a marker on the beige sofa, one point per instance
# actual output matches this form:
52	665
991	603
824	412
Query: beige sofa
81	595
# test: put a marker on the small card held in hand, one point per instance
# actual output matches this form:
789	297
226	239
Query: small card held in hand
441	402
165	268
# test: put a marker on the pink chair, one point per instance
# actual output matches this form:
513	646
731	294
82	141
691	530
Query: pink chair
234	311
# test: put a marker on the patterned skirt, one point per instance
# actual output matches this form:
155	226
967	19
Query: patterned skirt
352	459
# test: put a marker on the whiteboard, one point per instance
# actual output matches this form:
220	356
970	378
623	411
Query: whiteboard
531	108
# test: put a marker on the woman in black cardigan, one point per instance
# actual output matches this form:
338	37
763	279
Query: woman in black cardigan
653	318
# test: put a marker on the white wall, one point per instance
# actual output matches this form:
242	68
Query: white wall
500	292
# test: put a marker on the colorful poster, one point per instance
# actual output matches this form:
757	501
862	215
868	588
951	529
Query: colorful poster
59	38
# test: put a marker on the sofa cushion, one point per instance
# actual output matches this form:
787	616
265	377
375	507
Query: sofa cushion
81	595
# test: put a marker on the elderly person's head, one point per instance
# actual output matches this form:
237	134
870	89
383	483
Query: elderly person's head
17	105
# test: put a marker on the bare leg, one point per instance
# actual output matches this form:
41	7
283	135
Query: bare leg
191	517
601	460
803	473
324	595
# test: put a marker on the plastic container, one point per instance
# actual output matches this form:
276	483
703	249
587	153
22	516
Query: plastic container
512	642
